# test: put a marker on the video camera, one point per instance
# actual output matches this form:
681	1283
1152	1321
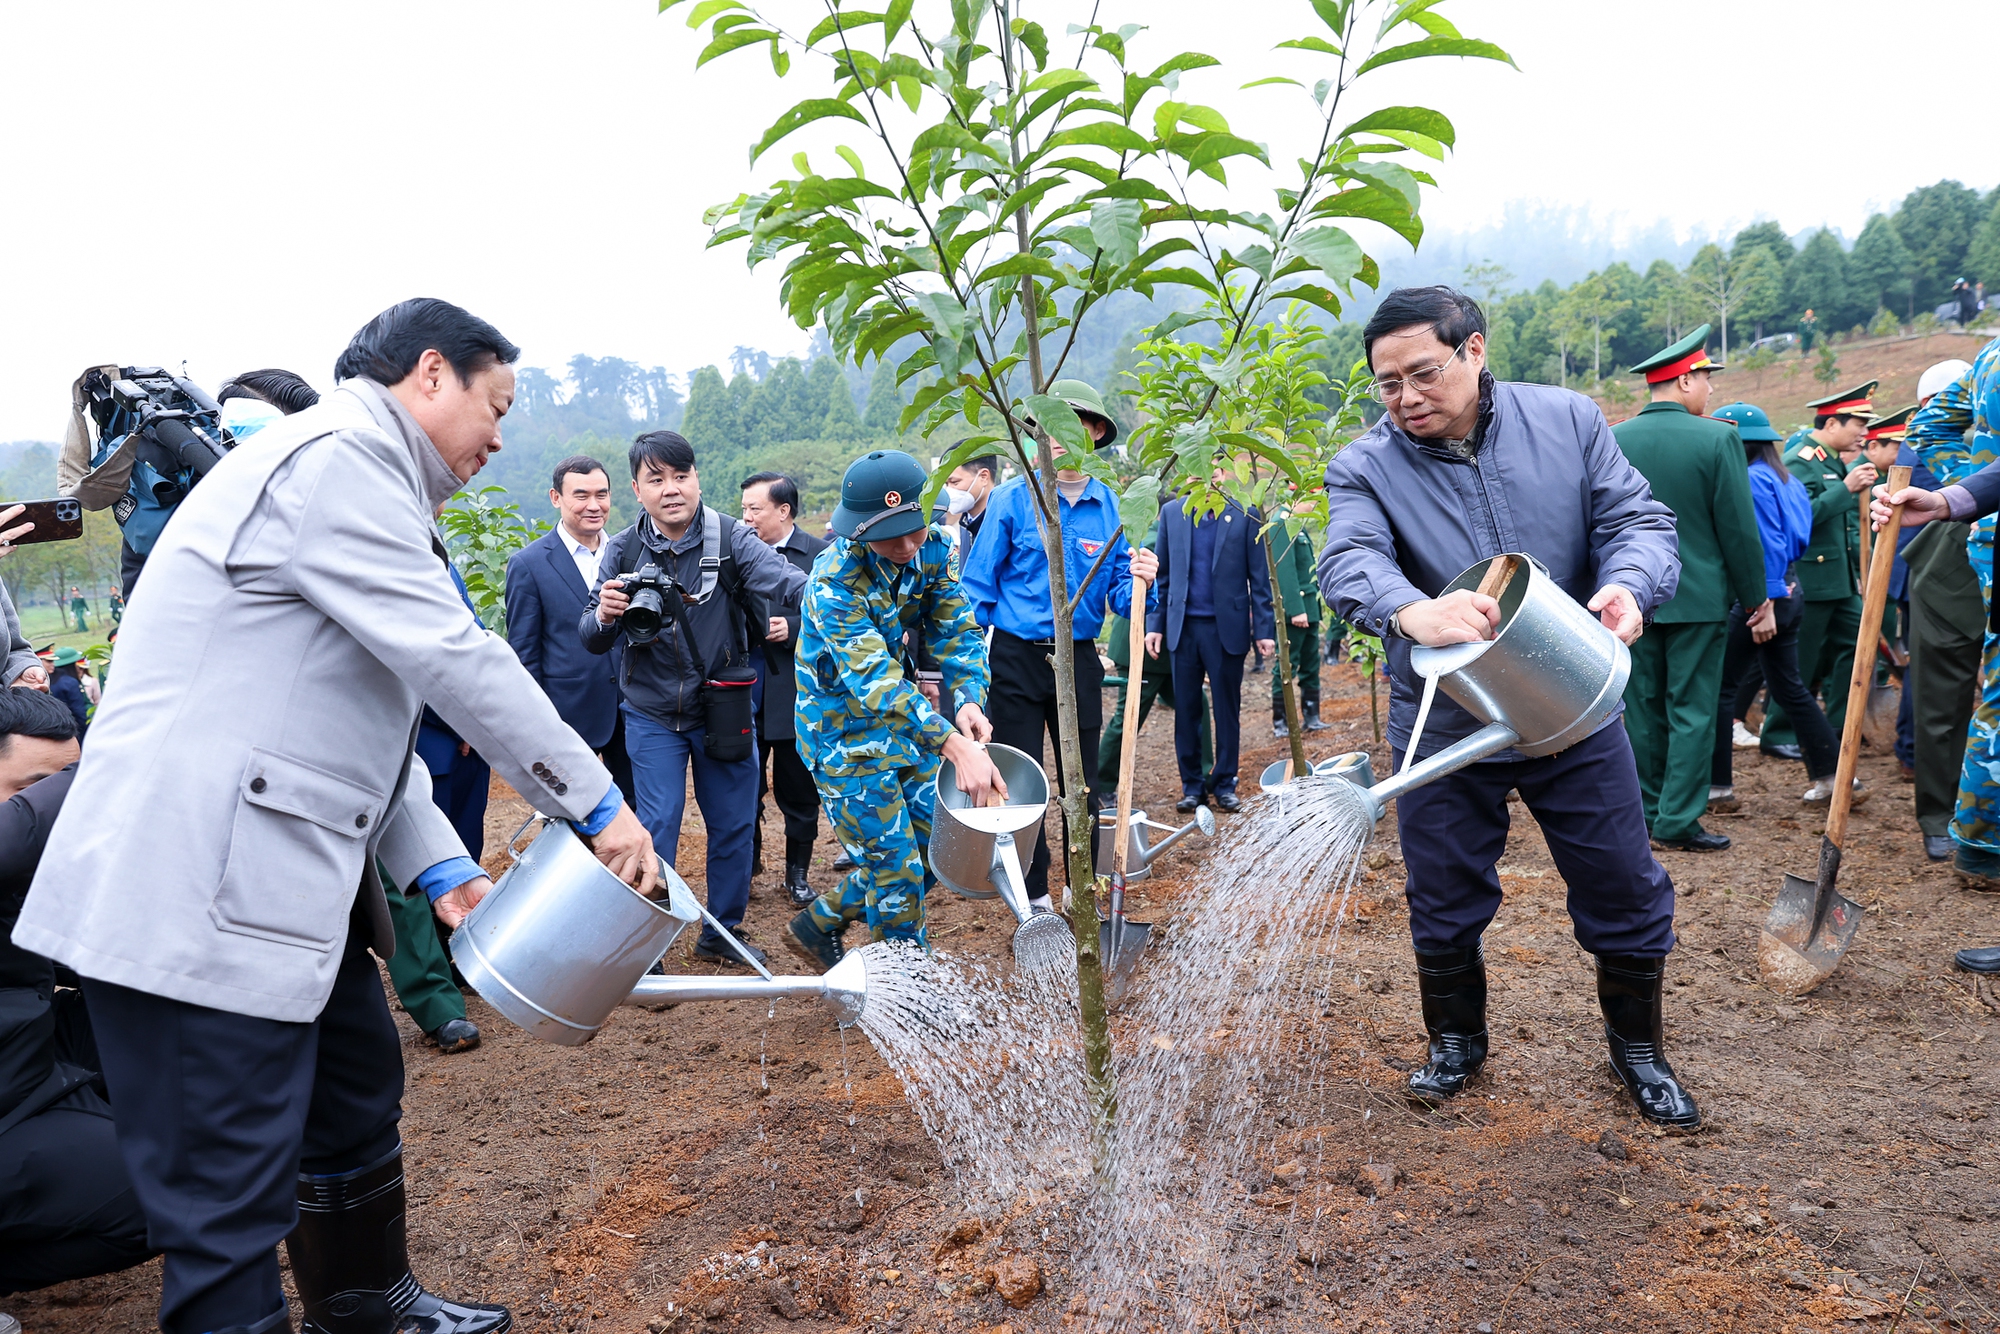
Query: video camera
177	435
656	600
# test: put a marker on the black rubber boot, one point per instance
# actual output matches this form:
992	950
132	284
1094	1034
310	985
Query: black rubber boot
1312	720
352	1266
1452	985
798	860
804	938
1628	991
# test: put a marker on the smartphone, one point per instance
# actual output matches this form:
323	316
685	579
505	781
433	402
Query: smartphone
55	520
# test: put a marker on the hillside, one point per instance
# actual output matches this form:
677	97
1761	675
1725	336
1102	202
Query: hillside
1783	390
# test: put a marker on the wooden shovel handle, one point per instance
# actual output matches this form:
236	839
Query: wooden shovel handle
1499	573
1872	603
1128	742
1867	555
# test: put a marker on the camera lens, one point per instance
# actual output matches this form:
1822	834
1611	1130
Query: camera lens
644	616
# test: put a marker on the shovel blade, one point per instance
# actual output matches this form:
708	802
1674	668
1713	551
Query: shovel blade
1120	952
1794	957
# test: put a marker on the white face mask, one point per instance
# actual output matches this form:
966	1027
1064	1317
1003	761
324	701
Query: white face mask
244	417
957	501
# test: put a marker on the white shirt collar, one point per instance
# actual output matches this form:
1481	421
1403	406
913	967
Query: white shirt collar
577	544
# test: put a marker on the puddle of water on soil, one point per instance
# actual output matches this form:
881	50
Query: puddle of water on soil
1221	1035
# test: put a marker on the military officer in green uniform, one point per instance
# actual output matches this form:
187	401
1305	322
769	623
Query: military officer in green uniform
1695	467
1827	461
1298	590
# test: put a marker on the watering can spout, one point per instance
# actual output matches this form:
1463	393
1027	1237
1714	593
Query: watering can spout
1203	822
1488	740
844	987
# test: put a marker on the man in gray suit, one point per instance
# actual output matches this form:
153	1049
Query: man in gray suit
247	772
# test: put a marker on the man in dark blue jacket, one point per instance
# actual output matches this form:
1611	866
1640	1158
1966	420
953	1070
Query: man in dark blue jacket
1458	470
548	586
1215	595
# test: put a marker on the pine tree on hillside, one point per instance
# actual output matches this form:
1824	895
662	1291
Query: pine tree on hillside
838	420
1937	222
885	404
778	410
710	420
1880	267
1766	235
1817	281
1762	298
741	389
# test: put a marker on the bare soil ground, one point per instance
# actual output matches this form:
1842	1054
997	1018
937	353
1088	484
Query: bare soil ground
1845	1180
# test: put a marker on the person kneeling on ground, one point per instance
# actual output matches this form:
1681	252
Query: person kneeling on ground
866	730
66	1205
1461	469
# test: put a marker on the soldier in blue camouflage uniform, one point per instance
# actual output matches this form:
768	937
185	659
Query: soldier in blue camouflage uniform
870	734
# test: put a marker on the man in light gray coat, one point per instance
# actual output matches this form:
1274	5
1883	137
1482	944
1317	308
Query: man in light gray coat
248	769
1461	469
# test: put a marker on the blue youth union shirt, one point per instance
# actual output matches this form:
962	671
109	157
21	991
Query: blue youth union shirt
1006	575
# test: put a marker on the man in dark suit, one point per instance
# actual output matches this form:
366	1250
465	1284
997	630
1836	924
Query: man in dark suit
1215	594
548	586
771	506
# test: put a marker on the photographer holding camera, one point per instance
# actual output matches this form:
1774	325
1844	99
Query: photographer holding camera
680	587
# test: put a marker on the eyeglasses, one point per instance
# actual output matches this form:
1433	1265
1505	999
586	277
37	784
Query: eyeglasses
1425	380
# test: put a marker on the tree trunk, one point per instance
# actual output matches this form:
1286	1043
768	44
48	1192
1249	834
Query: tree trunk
1287	674
1597	349
1075	802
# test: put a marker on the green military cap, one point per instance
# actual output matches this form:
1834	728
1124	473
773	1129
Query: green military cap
1847	403
881	496
1086	402
1749	420
1689	354
1894	426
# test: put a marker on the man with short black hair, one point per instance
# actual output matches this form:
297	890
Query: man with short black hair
255	1071
548	586
686	671
67	1210
966	492
1460	469
771	506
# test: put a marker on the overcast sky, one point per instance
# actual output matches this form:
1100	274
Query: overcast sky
243	184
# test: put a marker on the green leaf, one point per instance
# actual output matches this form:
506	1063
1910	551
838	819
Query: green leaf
1275	78
1139	508
1330	250
1100	134
945	315
962	451
1017	264
892	22
1060	78
1312	295
1034	39
708	9
840	21
1424	144
852	159
1114	225
1319	44
1388	176
731	40
805	113
945	134
1417	120
1215	147
1182	276
1377	205
1183	62
1227	371
1059	419
1333	13
1436	46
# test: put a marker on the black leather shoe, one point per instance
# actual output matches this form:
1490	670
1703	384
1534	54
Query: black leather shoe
820	948
1696	839
1187	804
352	1267
843	862
1226	800
454	1036
1782	752
1986	959
1452	988
1629	993
1280	728
1937	847
715	950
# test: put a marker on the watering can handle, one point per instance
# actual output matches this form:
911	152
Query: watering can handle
532	817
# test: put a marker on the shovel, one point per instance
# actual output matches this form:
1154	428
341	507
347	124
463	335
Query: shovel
1812	924
1121	941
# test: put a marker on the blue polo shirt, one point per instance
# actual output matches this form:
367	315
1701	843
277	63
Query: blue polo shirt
1006	574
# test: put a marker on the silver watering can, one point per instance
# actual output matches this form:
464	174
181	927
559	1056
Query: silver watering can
1138	856
973	851
1551	677
560	942
1354	766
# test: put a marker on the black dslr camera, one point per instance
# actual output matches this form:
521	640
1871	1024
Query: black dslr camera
656	600
177	433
